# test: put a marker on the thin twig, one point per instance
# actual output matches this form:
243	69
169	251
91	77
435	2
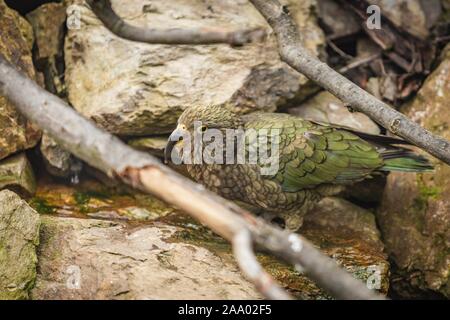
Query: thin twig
359	62
250	267
298	251
294	54
105	12
145	172
338	50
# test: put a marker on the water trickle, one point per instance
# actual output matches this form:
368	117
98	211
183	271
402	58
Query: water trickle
76	168
75	178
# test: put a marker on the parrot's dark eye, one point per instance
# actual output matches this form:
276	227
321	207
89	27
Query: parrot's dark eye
203	128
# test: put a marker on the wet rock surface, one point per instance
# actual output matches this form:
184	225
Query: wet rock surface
348	234
19	237
169	255
414	218
16	41
133	89
92	199
354	243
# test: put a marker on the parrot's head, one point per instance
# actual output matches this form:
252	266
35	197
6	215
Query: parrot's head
198	119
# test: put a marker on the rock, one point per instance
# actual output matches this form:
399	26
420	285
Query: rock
19	237
338	21
153	145
48	23
349	234
445	17
415	214
324	107
159	257
368	192
176	258
90	198
97	259
342	230
57	160
136	89
365	49
17	174
338	217
414	16
16	39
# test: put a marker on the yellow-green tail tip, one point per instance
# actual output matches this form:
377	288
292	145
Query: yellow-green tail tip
406	161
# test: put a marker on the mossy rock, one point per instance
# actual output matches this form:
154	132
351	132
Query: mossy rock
19	237
91	199
16	41
415	213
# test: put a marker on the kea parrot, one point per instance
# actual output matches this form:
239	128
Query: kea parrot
314	160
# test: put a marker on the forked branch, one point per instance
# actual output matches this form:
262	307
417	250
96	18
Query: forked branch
246	259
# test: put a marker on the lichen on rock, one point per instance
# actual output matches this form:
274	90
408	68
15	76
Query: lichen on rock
415	214
19	237
16	41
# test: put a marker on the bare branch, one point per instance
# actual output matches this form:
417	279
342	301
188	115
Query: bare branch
294	54
104	11
359	62
243	252
144	172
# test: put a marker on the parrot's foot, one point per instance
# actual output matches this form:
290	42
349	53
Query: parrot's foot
289	221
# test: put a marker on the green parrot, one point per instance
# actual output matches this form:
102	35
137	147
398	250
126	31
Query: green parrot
314	160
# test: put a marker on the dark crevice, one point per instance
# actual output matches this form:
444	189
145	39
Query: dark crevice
26	6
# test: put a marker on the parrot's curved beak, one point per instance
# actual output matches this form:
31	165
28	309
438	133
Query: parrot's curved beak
175	137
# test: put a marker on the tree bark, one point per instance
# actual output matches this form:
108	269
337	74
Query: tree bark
105	12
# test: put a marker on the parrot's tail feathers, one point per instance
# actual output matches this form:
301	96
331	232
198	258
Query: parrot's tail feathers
379	139
405	160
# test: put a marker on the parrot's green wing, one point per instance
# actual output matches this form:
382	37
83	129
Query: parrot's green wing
311	154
